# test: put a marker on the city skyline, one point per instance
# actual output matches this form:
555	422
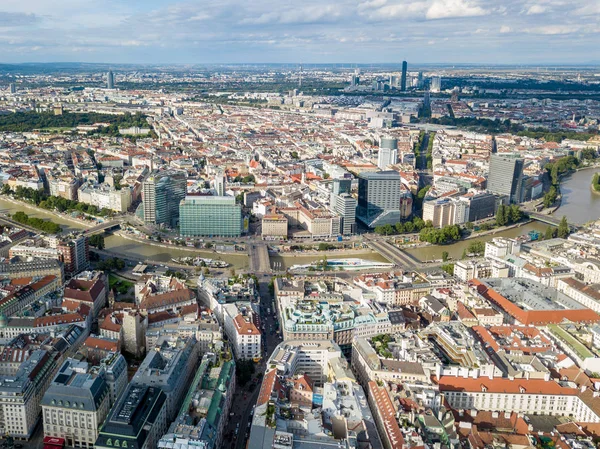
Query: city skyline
377	31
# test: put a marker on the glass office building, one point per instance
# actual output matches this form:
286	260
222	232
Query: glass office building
161	193
210	216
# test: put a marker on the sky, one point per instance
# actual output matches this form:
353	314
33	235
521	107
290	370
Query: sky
301	31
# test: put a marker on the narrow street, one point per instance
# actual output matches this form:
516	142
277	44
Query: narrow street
238	429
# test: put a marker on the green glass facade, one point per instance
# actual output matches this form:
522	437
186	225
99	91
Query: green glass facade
210	216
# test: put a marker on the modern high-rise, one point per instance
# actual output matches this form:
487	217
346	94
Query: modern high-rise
12	88
436	84
110	80
220	182
161	194
210	216
506	176
403	79
345	206
388	152
379	198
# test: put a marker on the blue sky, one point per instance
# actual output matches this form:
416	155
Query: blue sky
363	31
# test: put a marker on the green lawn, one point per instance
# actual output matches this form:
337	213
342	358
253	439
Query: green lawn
578	347
121	285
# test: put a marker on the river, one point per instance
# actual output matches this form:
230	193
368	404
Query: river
579	204
147	251
455	250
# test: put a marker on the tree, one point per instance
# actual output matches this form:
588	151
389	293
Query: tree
399	227
501	215
550	197
563	228
206	271
464	254
5	189
97	241
388	229
477	247
445	256
515	213
448	268
232	272
549	233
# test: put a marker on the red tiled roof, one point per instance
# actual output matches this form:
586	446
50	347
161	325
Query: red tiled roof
244	327
501	385
535	317
387	412
82	290
101	343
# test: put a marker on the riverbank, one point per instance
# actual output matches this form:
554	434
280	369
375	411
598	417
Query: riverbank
578	202
128	236
85	223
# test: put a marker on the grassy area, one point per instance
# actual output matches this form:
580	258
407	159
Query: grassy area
581	351
121	285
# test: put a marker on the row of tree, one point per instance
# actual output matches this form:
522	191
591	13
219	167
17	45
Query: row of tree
406	227
37	223
506	215
45	201
440	236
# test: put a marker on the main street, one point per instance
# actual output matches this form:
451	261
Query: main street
245	396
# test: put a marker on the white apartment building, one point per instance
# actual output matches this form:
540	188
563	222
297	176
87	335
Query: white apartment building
243	334
105	197
536	396
446	211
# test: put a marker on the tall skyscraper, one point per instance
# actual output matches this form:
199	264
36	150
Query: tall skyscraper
344	204
161	194
12	88
436	84
403	79
379	198
110	80
506	176
388	152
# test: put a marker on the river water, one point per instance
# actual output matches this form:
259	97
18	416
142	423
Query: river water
579	204
146	251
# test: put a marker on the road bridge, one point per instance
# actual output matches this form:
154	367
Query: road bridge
103	227
550	219
393	254
259	258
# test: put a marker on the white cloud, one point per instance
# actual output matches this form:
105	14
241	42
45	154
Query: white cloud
444	9
553	29
536	9
505	29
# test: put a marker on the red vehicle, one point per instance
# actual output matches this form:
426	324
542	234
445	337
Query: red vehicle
54	443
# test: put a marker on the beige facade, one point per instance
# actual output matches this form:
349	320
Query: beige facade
274	226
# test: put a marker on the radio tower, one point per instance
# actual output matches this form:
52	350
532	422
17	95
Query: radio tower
300	78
